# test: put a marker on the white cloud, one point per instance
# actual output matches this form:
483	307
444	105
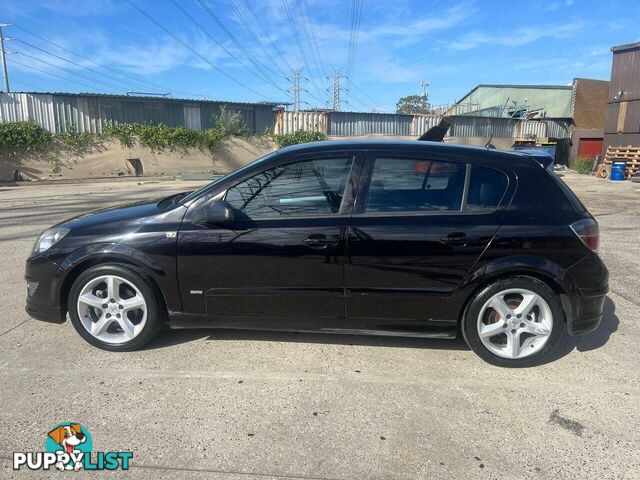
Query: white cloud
516	37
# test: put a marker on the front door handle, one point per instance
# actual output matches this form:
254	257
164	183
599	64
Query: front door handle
318	240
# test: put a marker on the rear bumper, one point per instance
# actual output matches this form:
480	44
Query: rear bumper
586	314
584	307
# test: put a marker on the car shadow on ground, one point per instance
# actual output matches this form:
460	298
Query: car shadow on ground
591	341
170	337
594	340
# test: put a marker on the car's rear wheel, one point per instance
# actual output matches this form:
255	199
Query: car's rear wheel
115	307
514	322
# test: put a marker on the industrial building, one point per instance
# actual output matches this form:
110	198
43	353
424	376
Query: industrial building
622	125
580	105
90	111
516	101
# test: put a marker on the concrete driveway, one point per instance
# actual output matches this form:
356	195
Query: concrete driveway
238	405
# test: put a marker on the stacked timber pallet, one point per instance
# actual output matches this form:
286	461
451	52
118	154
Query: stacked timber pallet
628	154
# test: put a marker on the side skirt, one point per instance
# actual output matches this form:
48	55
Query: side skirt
330	325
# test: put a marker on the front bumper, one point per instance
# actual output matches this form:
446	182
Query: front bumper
43	301
46	313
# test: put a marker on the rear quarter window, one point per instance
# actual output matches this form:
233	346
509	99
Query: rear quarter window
539	191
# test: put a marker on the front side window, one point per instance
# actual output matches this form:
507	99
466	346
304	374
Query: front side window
308	187
406	185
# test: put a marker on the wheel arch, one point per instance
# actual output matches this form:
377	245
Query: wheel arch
551	273
75	269
559	288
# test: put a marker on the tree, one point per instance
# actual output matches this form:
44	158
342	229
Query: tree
413	104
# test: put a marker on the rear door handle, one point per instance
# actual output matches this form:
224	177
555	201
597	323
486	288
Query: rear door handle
318	240
457	238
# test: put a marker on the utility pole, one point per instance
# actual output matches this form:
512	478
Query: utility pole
295	89
3	59
337	76
424	84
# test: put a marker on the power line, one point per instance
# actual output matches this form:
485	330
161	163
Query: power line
31	67
215	40
273	45
295	33
79	65
111	86
192	50
87	59
365	94
305	26
292	23
255	37
27	84
246	53
356	15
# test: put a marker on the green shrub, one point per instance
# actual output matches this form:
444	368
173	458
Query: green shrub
583	165
212	138
161	137
230	124
125	133
299	136
74	140
19	136
15	136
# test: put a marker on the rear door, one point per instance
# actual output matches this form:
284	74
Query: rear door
419	225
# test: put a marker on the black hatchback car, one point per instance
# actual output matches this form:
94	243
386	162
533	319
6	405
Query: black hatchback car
412	239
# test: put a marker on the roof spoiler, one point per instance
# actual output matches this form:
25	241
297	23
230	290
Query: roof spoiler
543	158
437	133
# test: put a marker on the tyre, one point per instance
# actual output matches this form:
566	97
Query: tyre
514	322
115	307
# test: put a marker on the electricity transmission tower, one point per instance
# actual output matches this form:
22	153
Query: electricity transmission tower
295	89
337	88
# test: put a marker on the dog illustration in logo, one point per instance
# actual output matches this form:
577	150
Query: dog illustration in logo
68	437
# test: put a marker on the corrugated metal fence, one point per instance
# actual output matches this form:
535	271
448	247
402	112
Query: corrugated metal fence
348	124
54	112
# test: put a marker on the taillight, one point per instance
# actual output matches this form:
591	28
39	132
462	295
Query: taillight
587	231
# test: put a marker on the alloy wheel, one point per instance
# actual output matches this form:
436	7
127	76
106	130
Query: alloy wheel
112	309
515	323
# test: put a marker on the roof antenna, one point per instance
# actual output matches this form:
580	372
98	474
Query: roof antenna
490	145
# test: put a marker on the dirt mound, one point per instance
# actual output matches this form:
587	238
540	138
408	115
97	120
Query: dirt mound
110	159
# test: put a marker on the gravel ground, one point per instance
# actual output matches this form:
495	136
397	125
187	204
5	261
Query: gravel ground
239	405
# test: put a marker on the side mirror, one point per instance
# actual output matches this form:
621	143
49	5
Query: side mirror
218	213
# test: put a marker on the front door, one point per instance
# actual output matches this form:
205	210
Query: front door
285	258
419	227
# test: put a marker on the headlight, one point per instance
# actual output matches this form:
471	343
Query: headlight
49	238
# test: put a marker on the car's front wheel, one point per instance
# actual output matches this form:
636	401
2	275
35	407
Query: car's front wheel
514	322
115	307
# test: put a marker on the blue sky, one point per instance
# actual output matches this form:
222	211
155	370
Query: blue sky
453	45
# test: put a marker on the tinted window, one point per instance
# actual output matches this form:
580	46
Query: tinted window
486	188
403	185
310	187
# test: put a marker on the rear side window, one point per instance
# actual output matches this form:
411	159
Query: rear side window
486	189
406	185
